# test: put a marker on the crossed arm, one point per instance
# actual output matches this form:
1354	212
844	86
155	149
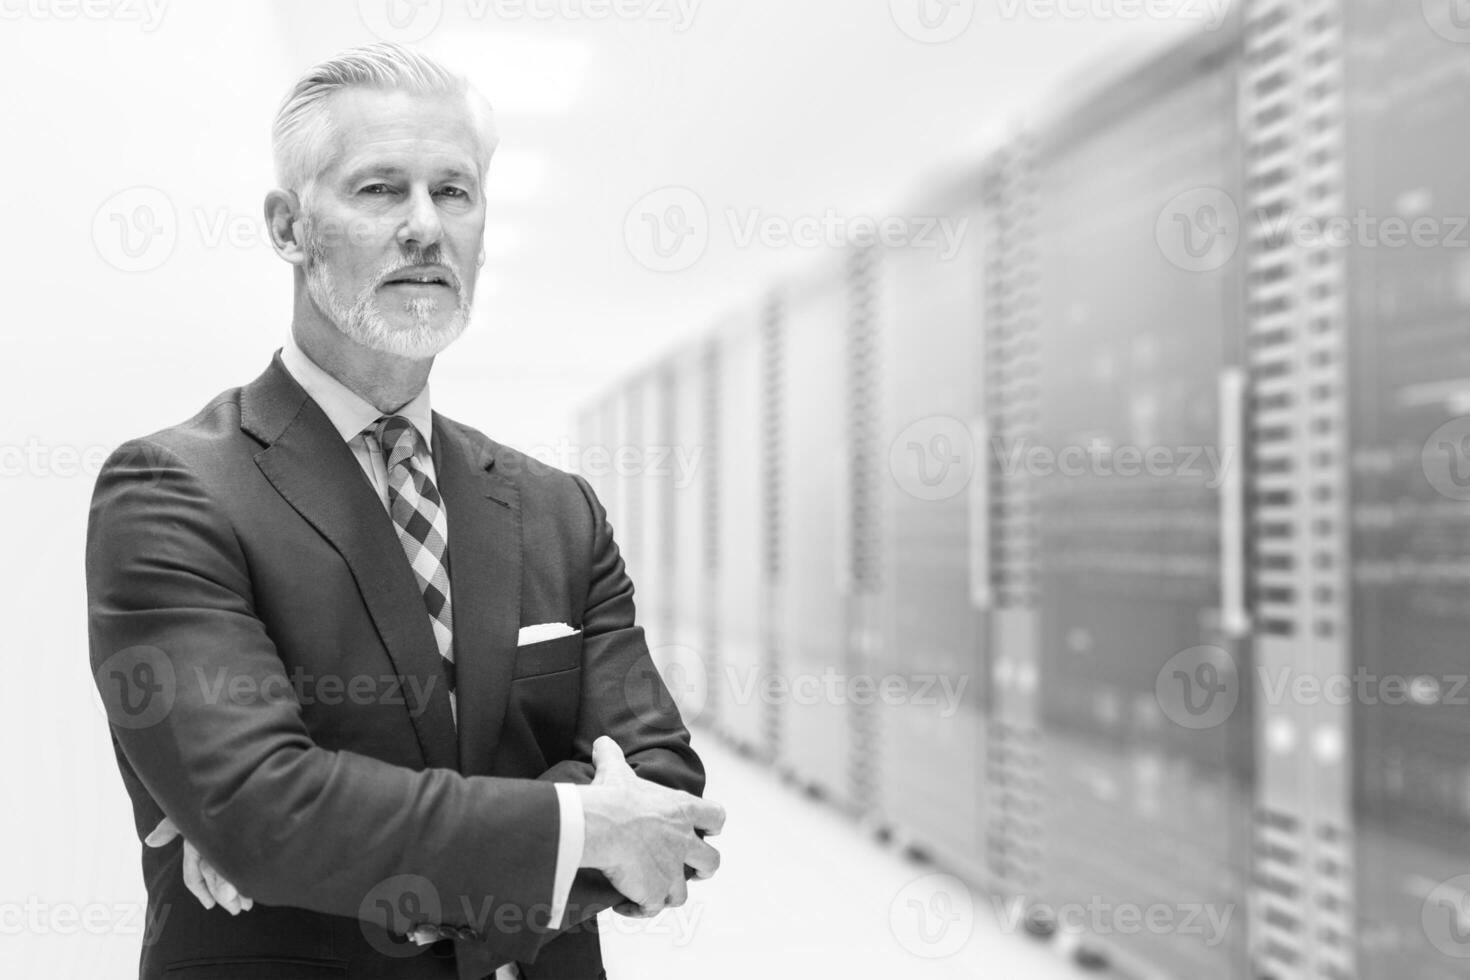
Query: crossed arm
289	822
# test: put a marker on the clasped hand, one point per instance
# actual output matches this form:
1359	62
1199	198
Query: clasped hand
638	833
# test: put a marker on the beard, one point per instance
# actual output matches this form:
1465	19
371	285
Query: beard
363	321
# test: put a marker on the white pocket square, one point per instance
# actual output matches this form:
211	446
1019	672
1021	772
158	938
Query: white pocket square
543	631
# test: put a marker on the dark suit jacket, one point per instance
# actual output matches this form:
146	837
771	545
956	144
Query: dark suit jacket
273	685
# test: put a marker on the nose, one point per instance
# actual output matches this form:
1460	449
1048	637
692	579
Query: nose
421	226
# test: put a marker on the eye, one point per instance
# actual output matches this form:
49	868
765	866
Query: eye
379	188
454	191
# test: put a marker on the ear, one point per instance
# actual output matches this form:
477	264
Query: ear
481	260
283	222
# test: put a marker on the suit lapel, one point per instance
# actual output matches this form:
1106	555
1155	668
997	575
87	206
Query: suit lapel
484	511
315	471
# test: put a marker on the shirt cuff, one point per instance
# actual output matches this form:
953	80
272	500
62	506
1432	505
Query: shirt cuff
568	849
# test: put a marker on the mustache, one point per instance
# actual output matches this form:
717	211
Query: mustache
421	257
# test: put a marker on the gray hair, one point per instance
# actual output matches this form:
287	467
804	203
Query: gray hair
302	132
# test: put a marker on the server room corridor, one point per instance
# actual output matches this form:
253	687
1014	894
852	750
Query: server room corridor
1036	435
805	892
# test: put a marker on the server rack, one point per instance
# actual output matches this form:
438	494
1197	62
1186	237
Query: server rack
1326	380
863	577
594	451
739	599
1293	115
625	426
1004	531
773	425
1148	813
932	658
690	658
584	436
811	517
653	468
1408	369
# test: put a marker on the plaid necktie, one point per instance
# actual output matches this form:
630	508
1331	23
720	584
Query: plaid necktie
418	514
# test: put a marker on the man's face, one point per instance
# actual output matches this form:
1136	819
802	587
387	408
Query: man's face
395	222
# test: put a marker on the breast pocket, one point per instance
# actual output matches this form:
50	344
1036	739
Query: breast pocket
546	694
549	656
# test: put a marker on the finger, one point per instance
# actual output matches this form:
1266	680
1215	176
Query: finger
246	903
194	880
608	759
703	858
220	888
678	895
228	894
166	831
708	816
650	905
631	910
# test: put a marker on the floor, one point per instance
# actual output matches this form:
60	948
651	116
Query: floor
804	892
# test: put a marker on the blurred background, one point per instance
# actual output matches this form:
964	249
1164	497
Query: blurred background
1039	431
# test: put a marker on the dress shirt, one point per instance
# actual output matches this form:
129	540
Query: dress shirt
350	414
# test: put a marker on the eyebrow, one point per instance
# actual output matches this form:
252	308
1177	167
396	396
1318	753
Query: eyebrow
393	170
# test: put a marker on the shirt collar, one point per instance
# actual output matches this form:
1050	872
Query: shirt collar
348	411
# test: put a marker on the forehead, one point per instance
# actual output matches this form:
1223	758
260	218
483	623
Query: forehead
375	128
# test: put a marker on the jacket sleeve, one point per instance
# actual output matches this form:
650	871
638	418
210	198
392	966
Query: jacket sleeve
201	708
624	697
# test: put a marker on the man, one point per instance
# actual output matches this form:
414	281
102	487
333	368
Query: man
381	671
